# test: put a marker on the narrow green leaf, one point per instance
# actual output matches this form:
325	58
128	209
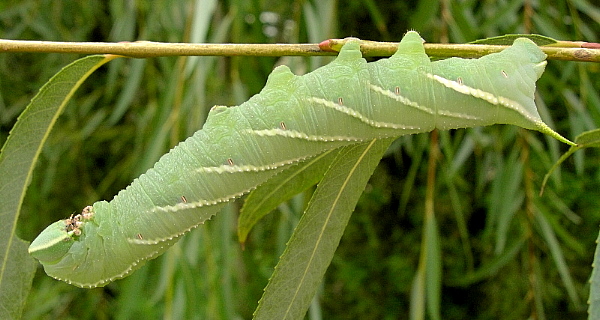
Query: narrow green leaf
301	268
17	160
594	300
433	268
378	18
129	92
491	268
281	188
558	256
417	296
588	139
18	269
508	39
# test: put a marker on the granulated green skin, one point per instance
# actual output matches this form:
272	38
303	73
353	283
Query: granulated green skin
292	119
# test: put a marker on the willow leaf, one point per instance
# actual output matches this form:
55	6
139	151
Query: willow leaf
17	161
588	139
266	197
309	252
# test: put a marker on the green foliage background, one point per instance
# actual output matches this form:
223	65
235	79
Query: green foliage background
506	253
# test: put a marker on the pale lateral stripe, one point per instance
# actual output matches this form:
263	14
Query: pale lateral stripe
301	135
457	115
159	240
401	99
198	203
183	206
353	113
249	168
480	94
413	104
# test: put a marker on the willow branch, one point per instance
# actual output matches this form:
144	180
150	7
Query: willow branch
147	49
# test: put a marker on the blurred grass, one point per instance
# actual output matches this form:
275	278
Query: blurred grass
128	114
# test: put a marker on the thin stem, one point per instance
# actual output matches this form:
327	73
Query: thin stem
147	49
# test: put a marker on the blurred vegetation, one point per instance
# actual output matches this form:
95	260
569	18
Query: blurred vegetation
505	252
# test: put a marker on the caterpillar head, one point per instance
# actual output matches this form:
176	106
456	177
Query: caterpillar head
55	241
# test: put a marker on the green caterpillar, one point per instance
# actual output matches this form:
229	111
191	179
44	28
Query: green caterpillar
294	118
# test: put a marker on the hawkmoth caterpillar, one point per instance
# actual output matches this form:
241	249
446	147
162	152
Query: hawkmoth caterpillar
294	118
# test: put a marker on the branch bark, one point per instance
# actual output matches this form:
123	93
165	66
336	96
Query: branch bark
148	49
